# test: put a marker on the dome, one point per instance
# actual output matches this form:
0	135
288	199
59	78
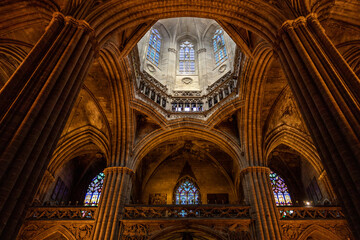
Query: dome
187	65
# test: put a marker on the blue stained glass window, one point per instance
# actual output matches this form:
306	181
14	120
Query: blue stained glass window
187	58
93	192
280	190
153	53
219	47
186	192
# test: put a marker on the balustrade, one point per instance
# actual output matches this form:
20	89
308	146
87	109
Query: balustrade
61	213
296	213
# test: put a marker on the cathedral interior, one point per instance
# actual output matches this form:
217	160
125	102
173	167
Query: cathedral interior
179	119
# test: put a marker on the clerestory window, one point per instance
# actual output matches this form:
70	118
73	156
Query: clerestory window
153	53
219	47
187	58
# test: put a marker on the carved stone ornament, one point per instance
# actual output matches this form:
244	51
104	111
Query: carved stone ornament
173	50
222	68
151	68
186	80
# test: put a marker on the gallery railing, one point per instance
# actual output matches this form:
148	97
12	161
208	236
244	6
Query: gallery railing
61	213
307	213
185	211
181	211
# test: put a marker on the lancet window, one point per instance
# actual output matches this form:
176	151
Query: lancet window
186	192
93	192
280	190
187	58
219	47
153	53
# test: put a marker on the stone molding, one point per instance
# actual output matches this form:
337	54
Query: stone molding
119	170
173	50
254	169
81	24
201	50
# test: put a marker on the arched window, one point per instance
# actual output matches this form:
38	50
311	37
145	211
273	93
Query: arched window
187	58
186	192
93	192
219	47
153	53
280	190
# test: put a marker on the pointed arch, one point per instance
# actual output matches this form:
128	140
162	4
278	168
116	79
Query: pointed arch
58	229
318	231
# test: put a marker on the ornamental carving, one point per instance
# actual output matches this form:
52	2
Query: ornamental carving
186	80
151	68
222	68
81	232
294	230
135	230
157	198
286	113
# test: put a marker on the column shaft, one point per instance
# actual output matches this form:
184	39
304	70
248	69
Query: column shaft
115	193
328	92
257	190
35	104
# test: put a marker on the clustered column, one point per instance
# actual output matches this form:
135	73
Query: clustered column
328	92
258	193
115	193
44	186
34	106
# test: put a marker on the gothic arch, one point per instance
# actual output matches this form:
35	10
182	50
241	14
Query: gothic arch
195	227
319	232
58	229
295	139
250	123
12	53
72	144
260	16
152	140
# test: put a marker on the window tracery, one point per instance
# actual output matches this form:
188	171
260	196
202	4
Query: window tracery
219	47
187	58
93	192
153	53
186	192
280	190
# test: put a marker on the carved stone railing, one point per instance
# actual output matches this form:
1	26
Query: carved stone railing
306	213
61	213
133	212
199	103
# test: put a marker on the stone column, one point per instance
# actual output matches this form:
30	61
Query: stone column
171	69
202	68
328	94
34	106
115	193
44	186
324	178
258	193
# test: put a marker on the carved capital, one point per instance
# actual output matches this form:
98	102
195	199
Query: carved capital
119	170
255	169
201	50
73	22
173	50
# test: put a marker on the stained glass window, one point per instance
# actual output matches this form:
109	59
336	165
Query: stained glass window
219	47
187	192
280	190
93	192
187	58
153	53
